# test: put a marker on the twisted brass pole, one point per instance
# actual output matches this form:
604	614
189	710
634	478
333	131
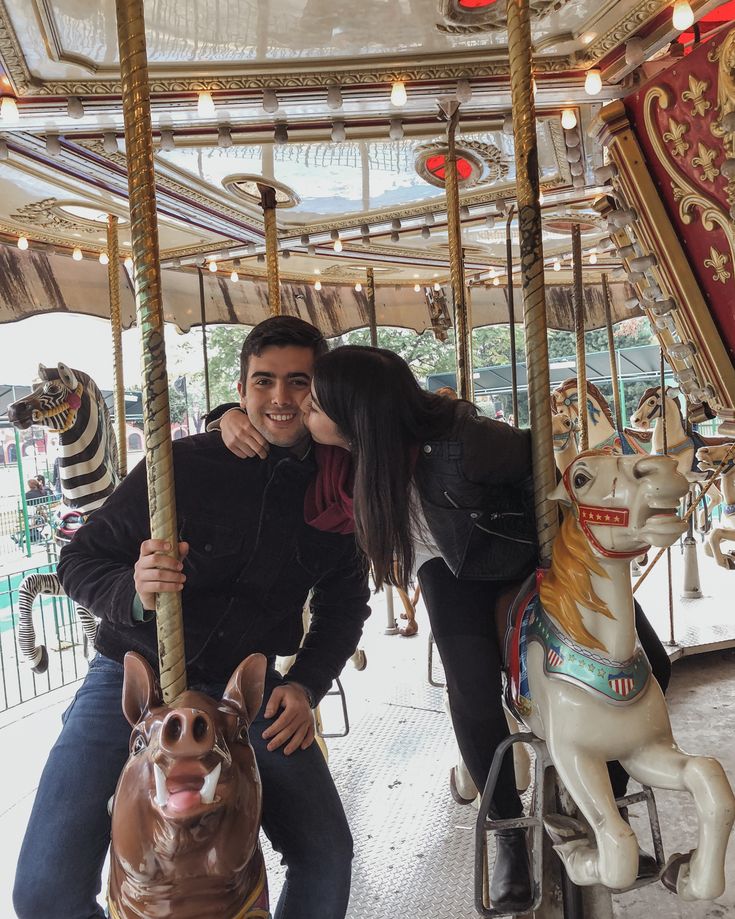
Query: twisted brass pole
156	417
372	318
462	324
113	284
511	314
584	422
611	351
268	203
532	273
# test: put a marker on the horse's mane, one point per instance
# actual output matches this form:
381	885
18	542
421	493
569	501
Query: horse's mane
568	583
592	391
656	390
96	394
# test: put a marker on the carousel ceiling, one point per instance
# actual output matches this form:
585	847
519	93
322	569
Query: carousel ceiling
337	110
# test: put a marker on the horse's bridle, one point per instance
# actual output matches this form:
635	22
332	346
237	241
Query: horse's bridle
589	515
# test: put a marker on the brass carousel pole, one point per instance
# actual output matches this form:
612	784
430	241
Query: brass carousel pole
268	203
113	283
611	351
462	322
511	313
532	273
372	318
156	417
584	424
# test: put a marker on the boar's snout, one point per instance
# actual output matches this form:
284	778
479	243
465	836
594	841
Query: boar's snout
187	732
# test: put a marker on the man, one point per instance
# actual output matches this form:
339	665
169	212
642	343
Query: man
247	562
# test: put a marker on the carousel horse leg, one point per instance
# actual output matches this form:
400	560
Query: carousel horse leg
521	759
409	614
713	543
700	875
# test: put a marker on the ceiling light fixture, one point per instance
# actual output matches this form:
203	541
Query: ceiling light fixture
339	134
635	51
167	140
317	285
682	17
437	285
77	254
128	263
395	237
557	265
398	94
212	265
104	258
338	245
490	221
568	119
9	111
205	105
23	242
508	125
417	287
286	253
593	258
464	91
53	144
75	107
464	212
395	224
234	277
311	249
305	239
429	220
270	101
496	282
109	143
280	135
593	82
358	287
425	232
395	131
334	97
224	136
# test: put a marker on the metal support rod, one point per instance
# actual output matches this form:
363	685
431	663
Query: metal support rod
584	424
532	273
511	313
205	356
23	502
113	283
156	415
462	323
664	426
370	294
611	351
268	203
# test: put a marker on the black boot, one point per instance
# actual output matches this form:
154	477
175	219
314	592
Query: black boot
511	888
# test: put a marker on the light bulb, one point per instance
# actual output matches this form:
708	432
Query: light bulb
338	245
167	140
593	82
358	287
9	110
205	105
53	144
593	258
224	137
22	243
234	277
395	132
77	254
496	282
540	197
398	95
534	87
104	258
437	285
557	265
270	101
75	107
464	91
425	232
280	134
417	287
683	17
568	119
212	265
109	142
317	285
128	263
508	125
338	132
334	97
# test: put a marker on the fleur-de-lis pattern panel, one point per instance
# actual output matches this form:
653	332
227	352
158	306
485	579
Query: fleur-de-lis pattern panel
678	121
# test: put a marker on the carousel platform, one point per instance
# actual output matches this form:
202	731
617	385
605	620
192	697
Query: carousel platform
413	844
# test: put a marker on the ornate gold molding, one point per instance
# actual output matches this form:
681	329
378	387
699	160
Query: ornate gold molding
675	137
695	95
717	261
645	10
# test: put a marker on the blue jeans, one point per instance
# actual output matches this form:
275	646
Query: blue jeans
60	865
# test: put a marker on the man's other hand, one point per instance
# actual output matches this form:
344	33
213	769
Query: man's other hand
295	725
240	437
157	572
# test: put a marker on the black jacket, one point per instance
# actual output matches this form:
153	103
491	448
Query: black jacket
476	491
251	563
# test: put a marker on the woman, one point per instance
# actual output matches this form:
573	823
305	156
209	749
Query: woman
442	489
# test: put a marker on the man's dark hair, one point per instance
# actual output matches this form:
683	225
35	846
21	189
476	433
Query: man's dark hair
280	331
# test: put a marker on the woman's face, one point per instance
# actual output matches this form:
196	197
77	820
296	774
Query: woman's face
321	427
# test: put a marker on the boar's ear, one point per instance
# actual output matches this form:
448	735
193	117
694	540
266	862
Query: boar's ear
140	688
245	689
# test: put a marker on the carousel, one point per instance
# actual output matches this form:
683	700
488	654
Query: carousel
438	166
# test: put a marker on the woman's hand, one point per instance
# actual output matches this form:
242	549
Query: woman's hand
240	437
156	572
295	724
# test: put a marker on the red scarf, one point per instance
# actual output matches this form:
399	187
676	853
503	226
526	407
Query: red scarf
328	499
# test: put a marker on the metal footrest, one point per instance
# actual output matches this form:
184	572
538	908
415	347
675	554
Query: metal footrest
338	690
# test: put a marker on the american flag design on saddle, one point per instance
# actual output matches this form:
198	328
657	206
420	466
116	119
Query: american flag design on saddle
621	683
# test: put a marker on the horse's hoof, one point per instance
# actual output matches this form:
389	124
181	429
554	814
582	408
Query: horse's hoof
670	876
410	629
562	829
455	791
42	665
360	661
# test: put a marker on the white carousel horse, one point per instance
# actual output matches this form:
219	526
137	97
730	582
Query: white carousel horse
711	459
565	443
601	425
69	403
584	685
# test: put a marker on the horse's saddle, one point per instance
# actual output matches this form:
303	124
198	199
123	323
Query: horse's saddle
617	682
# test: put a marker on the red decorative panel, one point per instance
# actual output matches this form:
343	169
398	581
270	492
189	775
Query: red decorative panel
680	122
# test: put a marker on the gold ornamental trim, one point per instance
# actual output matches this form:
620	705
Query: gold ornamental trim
675	137
695	95
706	159
717	261
622	30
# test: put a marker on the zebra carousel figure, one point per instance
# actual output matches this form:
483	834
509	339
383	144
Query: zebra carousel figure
69	403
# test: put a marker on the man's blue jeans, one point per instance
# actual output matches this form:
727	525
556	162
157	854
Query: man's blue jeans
60	864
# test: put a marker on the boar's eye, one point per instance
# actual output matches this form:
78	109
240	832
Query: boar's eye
138	744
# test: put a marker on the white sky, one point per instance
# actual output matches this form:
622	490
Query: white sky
83	342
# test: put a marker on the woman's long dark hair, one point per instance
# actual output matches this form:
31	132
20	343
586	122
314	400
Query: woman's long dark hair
373	397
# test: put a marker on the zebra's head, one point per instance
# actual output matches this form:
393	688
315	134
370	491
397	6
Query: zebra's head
54	402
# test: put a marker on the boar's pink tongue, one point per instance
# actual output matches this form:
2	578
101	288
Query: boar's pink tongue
183	800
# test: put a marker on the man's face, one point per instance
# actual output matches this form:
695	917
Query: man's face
277	383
